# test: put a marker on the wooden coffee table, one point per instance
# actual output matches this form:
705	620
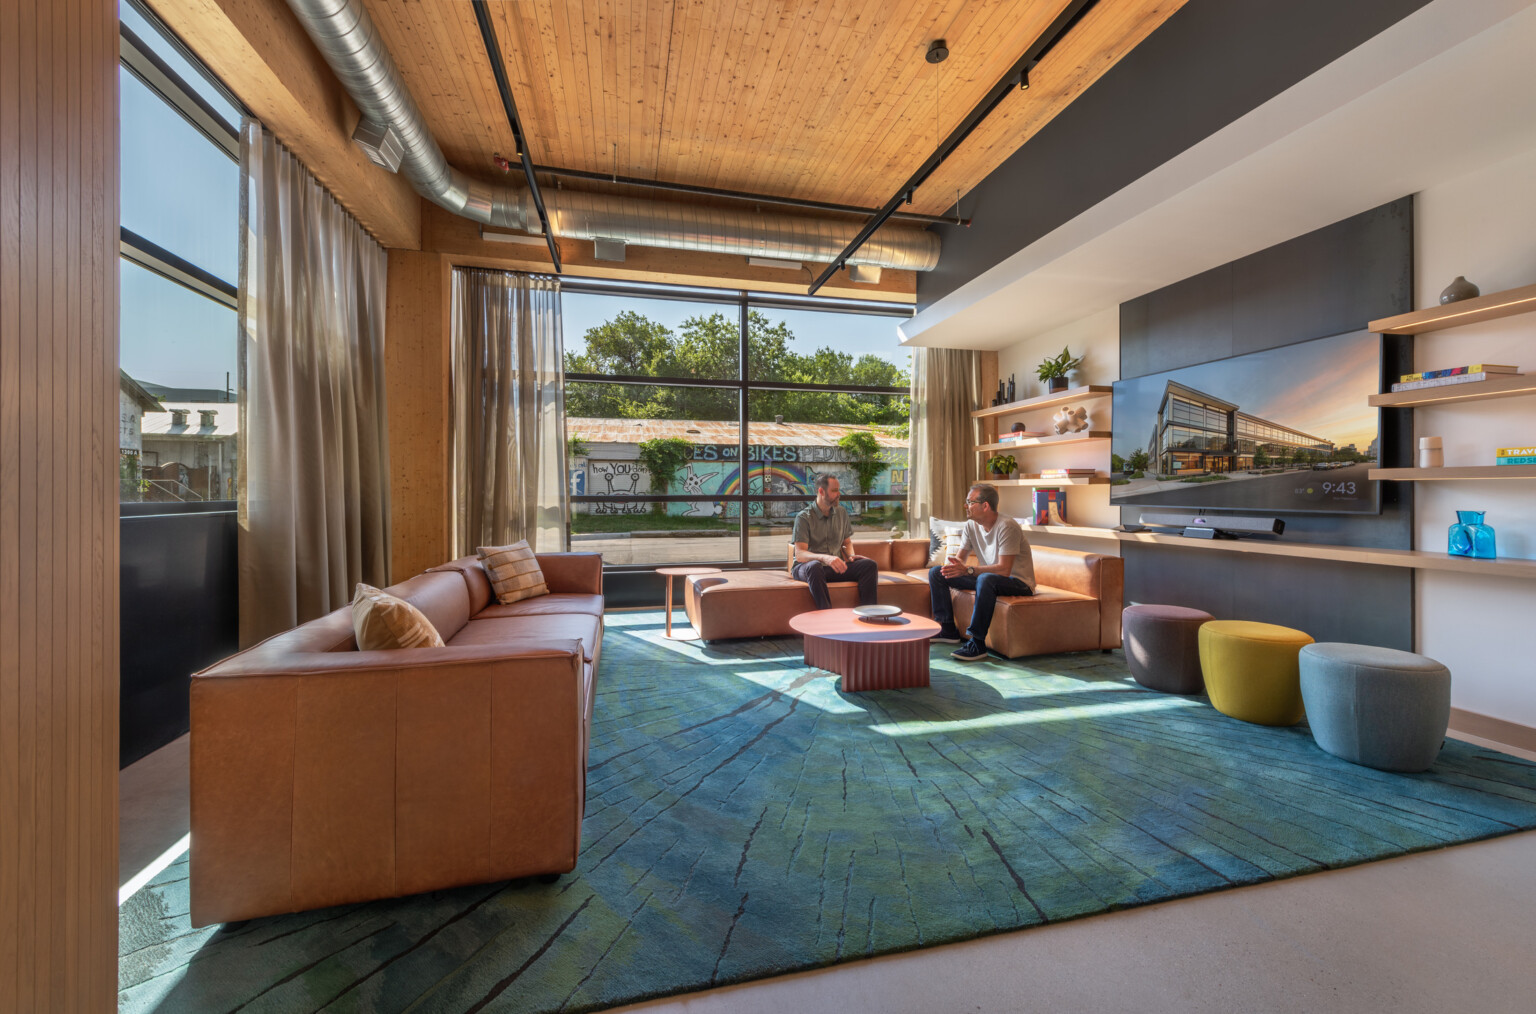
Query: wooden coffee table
867	655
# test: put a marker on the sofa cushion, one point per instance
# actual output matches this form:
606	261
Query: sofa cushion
475	579
545	605
381	621
442	597
514	571
943	539
759	603
564	626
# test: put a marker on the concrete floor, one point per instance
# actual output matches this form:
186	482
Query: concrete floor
1439	931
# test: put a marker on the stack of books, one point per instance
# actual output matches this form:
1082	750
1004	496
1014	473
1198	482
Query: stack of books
1454	375
1013	438
1067	473
1515	456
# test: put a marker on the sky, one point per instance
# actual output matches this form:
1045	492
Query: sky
1319	387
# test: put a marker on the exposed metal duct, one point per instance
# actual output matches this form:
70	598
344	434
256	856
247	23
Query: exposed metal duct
346	37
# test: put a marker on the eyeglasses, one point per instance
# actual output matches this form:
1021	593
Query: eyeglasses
974	503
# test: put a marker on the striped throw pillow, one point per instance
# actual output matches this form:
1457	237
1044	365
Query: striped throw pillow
381	621
514	572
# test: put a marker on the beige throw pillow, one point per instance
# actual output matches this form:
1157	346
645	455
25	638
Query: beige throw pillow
380	621
514	572
944	538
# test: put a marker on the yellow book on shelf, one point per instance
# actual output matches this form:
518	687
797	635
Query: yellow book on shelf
1514	452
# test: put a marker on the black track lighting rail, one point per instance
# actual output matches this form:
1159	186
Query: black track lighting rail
1012	80
498	68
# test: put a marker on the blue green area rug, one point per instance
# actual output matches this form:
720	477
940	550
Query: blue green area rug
745	818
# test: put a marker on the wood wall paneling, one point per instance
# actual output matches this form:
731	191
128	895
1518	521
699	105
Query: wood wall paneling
416	365
262	54
58	506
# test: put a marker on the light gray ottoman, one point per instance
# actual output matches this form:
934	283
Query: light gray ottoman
1379	707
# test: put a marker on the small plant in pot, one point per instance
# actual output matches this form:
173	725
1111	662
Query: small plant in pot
1001	465
1055	369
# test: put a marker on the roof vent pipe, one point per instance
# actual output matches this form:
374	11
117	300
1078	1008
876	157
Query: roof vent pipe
347	39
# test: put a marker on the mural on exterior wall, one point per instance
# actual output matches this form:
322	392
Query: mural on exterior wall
774	471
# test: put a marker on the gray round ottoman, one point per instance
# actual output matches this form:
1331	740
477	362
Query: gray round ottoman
1379	707
1162	645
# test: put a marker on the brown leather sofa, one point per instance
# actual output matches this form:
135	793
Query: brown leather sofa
1076	606
323	775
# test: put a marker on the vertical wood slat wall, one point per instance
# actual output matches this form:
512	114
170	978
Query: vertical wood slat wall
58	505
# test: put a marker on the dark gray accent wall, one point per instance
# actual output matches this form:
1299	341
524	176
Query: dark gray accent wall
1331	281
1209	64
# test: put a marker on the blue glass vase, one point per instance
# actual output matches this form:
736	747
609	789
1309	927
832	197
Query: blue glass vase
1470	537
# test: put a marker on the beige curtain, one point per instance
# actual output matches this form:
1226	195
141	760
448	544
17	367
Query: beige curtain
314	495
508	411
946	387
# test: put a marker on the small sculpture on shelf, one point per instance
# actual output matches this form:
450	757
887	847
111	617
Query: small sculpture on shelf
1011	396
1470	537
1071	420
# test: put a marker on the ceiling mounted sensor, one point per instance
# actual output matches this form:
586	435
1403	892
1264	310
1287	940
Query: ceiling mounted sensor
380	143
938	51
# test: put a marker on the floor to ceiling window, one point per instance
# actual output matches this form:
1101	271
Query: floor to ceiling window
178	385
669	391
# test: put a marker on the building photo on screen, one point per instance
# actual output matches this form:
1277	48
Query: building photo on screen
1284	429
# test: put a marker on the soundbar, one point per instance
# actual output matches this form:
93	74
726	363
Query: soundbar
1206	522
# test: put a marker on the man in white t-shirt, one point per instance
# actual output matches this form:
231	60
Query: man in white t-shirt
1003	567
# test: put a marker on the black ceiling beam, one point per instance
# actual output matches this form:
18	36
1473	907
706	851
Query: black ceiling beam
1009	83
498	68
740	195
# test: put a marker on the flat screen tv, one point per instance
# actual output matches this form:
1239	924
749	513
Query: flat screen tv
1283	430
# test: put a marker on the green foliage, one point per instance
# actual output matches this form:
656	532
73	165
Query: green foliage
1140	461
1204	478
576	447
1003	464
863	451
707	347
1260	457
1116	463
662	458
1057	366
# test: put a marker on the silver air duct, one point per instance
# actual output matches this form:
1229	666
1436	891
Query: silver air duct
345	36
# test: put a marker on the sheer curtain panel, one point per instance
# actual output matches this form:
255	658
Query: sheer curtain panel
508	411
946	387
314	500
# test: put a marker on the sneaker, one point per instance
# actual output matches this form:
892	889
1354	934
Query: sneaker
947	635
971	651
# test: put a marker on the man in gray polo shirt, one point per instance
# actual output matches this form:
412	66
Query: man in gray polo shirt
1003	567
823	539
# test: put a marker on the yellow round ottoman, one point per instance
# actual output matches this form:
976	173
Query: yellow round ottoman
1251	670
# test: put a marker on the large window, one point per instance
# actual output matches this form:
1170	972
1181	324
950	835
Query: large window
180	200
677	455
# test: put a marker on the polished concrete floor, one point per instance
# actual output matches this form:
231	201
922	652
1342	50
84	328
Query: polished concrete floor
1449	930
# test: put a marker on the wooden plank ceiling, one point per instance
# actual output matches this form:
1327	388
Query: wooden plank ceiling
828	100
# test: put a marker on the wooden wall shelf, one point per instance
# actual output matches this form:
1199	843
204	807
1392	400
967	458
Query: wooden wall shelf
1494	387
1464	311
1051	441
1066	397
1415	559
1454	472
1035	480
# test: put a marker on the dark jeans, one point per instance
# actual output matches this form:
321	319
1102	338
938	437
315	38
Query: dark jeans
987	588
817	575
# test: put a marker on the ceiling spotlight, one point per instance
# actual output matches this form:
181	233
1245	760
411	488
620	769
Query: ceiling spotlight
1024	80
938	51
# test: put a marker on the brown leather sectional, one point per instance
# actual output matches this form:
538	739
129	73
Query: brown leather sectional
323	775
1076	605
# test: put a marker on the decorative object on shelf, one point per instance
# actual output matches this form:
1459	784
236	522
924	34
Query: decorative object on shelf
1001	465
1470	537
1020	428
1431	454
1054	370
1459	289
1070	420
1050	505
1010	388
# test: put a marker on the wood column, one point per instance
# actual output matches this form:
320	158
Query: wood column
58	506
416	364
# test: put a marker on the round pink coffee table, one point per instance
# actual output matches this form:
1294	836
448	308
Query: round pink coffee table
867	655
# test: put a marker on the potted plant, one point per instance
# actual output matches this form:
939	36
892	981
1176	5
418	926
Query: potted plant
1001	465
1054	370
